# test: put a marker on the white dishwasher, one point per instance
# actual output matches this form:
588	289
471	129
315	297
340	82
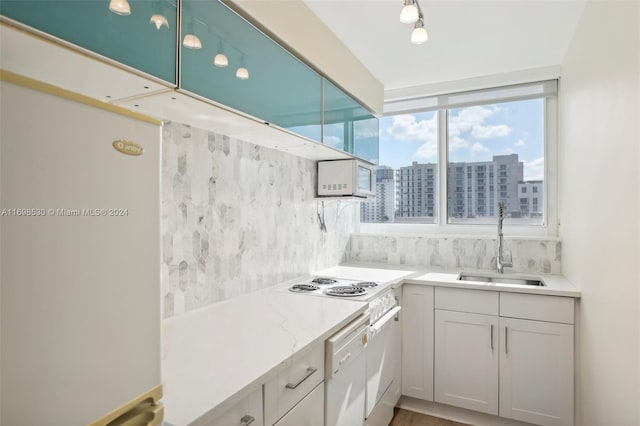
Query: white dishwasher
345	374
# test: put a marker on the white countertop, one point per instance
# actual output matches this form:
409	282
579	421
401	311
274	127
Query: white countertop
555	285
216	355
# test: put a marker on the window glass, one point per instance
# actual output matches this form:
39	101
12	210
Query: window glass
496	153
407	178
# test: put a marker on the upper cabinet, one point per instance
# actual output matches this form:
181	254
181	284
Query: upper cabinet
140	34
348	126
227	60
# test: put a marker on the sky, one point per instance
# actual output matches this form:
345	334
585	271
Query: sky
476	133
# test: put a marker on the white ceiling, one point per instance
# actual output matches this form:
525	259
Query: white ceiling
467	39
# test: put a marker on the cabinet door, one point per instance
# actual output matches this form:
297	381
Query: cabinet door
308	412
536	371
133	40
348	126
466	360
276	87
417	341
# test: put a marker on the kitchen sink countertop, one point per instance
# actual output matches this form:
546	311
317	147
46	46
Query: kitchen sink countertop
216	355
555	285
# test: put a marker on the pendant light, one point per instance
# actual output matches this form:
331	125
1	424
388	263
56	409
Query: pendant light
120	7
409	13
220	60
419	34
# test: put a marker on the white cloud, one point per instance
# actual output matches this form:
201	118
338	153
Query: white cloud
486	132
520	143
473	120
408	128
534	170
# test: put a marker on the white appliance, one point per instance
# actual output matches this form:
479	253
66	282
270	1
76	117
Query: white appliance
381	355
345	374
346	178
80	264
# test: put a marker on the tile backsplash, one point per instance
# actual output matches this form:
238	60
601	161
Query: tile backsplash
238	217
535	256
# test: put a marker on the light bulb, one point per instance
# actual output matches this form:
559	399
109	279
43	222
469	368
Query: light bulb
159	20
242	73
120	7
192	42
419	34
221	60
409	13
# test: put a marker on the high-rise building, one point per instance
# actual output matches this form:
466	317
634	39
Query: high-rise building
416	191
476	188
382	208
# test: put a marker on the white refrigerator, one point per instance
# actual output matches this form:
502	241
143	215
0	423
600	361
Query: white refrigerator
80	261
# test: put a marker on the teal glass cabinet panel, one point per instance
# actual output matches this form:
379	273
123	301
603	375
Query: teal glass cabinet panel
132	39
349	126
276	87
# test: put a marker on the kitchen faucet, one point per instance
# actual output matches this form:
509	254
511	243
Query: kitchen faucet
500	263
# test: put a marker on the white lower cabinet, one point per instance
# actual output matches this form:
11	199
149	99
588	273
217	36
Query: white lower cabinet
308	412
301	375
417	341
247	411
536	371
502	353
466	359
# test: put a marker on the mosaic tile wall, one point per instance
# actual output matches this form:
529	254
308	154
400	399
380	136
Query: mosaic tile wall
533	256
239	217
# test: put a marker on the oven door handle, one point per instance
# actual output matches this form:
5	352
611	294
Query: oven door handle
384	320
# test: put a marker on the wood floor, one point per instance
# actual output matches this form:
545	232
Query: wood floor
411	418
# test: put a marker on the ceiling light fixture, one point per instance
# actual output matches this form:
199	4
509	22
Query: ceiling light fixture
410	12
220	60
120	7
419	34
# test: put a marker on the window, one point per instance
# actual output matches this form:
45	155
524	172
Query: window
494	144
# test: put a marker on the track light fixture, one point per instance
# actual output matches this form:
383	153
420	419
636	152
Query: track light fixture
411	13
419	34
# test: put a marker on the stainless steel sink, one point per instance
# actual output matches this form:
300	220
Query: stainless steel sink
500	279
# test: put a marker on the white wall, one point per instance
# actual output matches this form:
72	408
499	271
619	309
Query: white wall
599	165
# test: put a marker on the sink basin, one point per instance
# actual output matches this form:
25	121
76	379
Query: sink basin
500	279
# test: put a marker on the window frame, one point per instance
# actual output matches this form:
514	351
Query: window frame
549	228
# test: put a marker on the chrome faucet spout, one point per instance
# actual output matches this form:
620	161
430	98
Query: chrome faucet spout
500	262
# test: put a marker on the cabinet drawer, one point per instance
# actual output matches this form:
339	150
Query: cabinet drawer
246	412
537	307
463	300
296	379
309	412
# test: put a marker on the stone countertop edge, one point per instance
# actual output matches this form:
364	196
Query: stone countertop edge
215	356
555	285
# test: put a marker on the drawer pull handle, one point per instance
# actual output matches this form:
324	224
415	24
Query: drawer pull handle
310	371
246	420
506	340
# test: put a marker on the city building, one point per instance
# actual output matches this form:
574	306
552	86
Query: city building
530	194
416	191
382	208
